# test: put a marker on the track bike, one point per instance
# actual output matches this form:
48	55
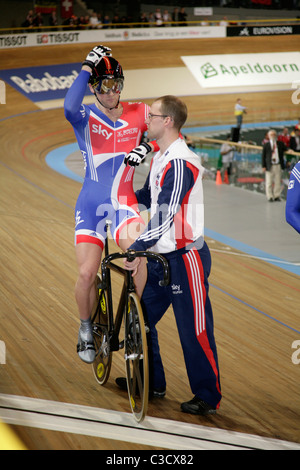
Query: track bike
107	329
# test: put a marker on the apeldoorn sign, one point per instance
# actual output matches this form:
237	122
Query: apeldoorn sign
229	70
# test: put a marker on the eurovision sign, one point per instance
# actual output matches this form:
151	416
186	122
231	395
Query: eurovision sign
230	70
279	30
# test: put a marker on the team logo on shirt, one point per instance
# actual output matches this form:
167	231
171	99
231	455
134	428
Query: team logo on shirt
291	184
176	289
157	180
105	128
106	122
78	219
97	129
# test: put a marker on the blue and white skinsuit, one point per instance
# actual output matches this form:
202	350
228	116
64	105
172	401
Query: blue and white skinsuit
107	191
292	208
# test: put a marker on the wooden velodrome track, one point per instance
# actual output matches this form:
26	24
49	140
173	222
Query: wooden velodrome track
38	314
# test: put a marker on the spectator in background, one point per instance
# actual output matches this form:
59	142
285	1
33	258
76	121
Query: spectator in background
227	152
158	17
265	139
294	146
166	18
95	22
28	22
239	111
74	21
143	19
189	141
182	17
272	164
285	137
151	19
295	140
116	21
125	20
86	22
81	22
53	19
38	20
106	21
175	17
71	21
224	21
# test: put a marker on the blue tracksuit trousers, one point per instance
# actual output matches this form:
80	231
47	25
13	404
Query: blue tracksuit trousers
187	292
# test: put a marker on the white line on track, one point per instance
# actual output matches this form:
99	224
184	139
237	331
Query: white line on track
108	424
275	260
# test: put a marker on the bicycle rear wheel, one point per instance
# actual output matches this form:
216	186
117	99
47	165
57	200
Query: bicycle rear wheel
136	358
100	324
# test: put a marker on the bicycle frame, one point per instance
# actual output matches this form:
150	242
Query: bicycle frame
128	286
107	328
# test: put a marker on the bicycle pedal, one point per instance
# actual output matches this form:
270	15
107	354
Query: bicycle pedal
133	356
121	344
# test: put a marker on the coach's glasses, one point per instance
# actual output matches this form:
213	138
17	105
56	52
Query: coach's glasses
151	116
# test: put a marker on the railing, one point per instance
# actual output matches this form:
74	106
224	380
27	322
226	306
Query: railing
111	25
246	171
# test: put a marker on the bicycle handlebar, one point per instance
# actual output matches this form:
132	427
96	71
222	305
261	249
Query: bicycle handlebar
131	255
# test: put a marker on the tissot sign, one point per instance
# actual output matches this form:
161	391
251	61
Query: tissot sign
48	38
229	70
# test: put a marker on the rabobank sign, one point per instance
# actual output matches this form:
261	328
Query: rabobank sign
231	70
43	83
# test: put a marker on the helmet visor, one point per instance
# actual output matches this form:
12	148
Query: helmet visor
110	84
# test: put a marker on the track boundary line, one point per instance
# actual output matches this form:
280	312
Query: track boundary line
110	424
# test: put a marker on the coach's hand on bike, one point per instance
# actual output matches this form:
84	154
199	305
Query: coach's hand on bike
96	54
138	154
131	263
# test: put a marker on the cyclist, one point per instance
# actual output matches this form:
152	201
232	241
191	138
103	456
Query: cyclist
106	132
292	208
173	191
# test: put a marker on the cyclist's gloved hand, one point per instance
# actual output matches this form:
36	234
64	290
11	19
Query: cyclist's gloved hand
131	263
93	58
138	154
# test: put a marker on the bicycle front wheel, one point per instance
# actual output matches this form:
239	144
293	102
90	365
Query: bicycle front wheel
136	358
100	324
